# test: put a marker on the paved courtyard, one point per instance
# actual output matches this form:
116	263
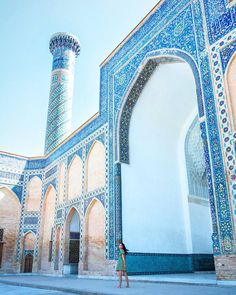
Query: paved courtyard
17	290
37	285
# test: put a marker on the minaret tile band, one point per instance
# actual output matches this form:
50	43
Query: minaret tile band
64	48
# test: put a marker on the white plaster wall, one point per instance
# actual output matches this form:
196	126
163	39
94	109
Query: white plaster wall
201	228
154	205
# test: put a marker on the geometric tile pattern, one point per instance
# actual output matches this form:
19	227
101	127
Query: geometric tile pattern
195	161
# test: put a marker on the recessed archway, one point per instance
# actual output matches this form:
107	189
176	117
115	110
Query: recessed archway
94	252
96	167
75	174
47	224
28	252
34	189
148	132
72	241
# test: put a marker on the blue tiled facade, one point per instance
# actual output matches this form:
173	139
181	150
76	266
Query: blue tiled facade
201	33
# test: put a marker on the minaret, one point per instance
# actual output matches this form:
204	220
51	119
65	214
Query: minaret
64	48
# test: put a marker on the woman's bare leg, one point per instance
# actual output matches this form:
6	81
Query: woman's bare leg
127	279
120	278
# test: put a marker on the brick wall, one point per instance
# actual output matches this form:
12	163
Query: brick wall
225	267
9	222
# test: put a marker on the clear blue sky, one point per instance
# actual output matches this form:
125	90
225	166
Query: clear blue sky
25	30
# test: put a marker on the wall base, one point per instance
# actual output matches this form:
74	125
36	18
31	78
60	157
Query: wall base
107	270
155	263
226	267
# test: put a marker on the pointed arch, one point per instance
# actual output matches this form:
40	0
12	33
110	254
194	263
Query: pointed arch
75	174
10	209
135	87
34	190
147	131
96	166
94	199
231	89
47	223
29	241
94	258
28	252
9	192
72	210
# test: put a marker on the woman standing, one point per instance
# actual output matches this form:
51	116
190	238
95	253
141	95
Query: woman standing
121	265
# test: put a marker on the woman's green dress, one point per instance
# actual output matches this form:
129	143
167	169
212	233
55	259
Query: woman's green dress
120	263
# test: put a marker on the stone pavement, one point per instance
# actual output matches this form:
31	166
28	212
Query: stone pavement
50	284
16	290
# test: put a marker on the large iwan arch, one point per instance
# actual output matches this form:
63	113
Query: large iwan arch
149	127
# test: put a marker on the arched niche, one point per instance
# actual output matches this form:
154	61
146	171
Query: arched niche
96	166
149	125
28	252
75	173
29	241
151	121
72	240
34	189
10	210
94	252
47	223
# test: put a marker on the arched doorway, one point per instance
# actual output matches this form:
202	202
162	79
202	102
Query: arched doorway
72	243
94	258
155	210
10	209
28	252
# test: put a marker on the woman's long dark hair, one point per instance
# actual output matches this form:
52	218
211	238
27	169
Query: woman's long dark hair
124	248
